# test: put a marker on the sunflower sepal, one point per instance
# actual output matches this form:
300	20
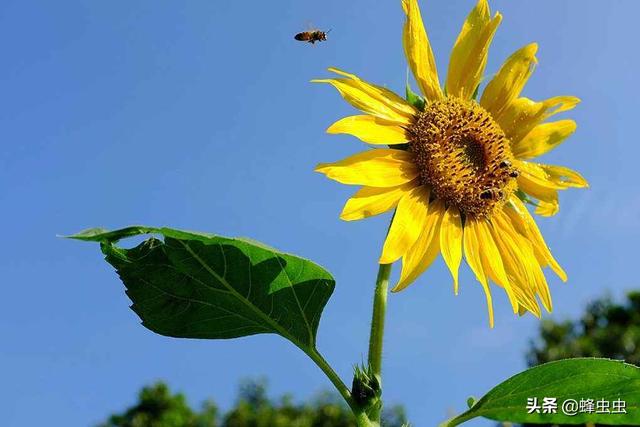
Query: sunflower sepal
525	198
366	390
414	99
474	96
539	208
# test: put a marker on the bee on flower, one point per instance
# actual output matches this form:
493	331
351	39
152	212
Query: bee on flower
459	170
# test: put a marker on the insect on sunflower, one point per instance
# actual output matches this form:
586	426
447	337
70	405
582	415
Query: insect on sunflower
458	170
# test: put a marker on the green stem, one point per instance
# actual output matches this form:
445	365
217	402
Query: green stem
332	375
362	419
377	320
377	326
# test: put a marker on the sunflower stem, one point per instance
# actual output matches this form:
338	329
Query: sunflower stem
362	420
377	329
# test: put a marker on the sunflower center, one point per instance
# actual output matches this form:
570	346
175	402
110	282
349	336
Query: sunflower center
464	155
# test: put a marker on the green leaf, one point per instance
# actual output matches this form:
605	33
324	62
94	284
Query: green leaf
197	285
565	380
412	97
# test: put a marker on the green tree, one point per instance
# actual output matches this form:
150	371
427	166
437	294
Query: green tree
158	407
607	329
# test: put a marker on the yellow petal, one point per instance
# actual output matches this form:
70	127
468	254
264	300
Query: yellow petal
543	138
369	201
519	261
418	52
547	204
374	168
451	242
534	181
472	251
509	81
371	129
543	183
560	104
424	251
541	286
564	176
370	98
524	222
407	224
469	54
492	260
548	207
521	115
530	277
535	172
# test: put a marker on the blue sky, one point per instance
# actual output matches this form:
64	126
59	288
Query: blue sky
200	115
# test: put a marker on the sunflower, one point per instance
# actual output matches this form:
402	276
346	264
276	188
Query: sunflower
457	169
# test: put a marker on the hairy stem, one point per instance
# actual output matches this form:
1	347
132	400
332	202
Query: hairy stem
377	320
377	325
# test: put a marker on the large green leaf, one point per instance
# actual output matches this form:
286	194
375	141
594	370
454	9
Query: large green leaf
196	285
572	380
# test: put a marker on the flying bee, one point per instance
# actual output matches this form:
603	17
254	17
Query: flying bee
312	36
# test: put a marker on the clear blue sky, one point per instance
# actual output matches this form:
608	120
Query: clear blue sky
200	115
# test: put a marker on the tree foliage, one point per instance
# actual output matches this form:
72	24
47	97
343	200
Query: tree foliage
157	406
606	329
